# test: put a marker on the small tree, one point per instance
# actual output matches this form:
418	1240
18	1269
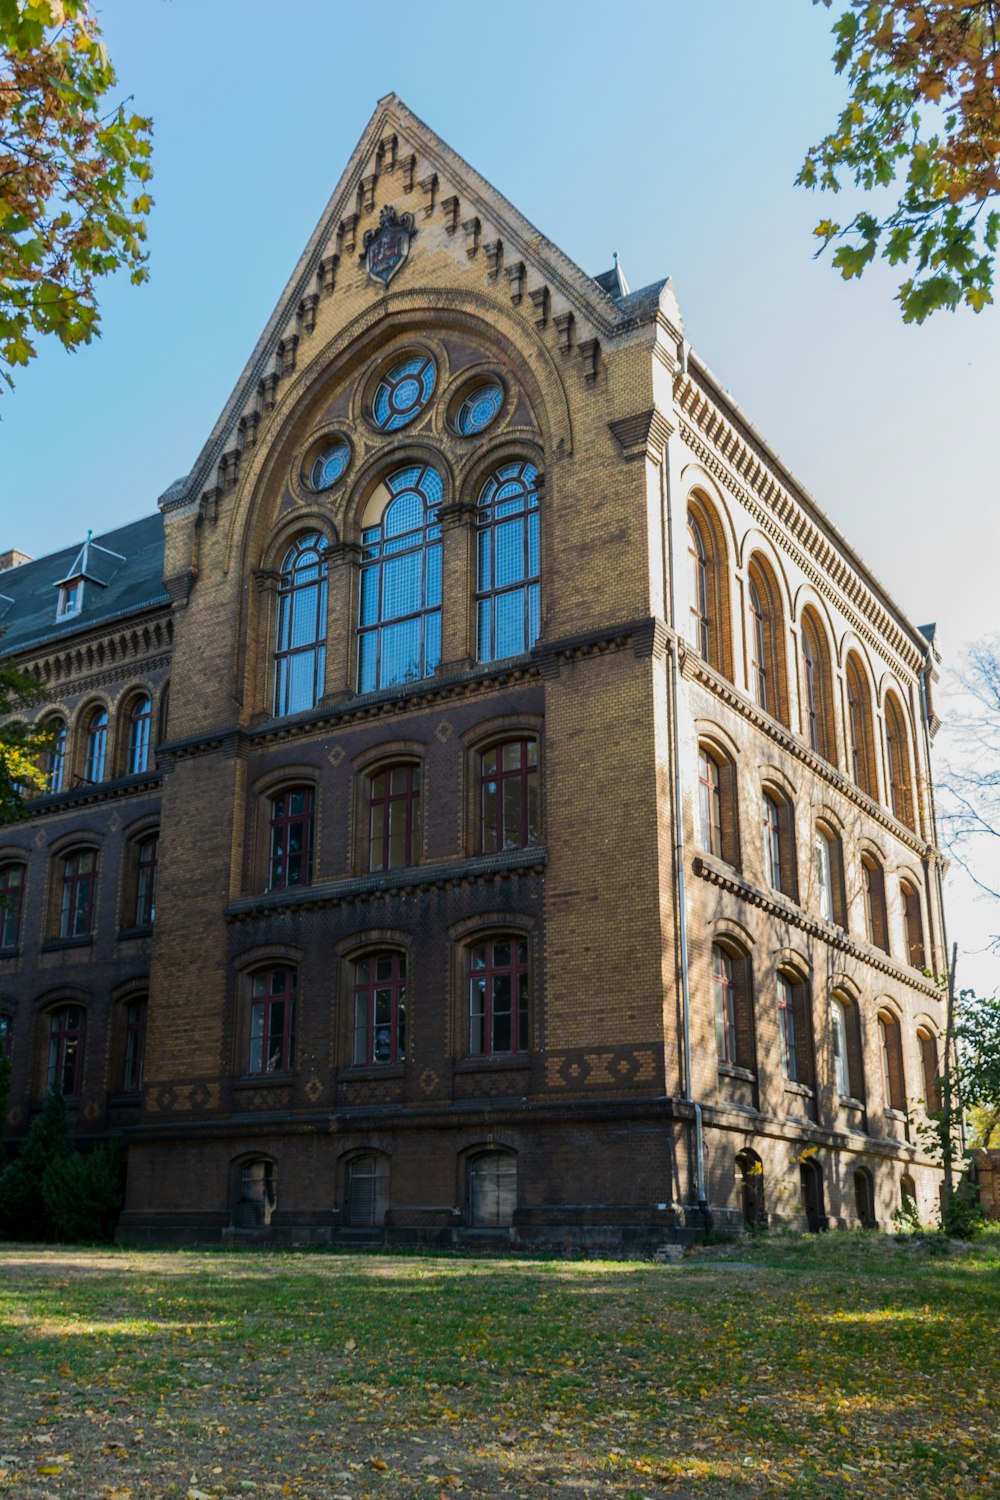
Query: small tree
24	1214
84	1194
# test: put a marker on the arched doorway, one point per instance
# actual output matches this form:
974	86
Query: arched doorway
811	1179
493	1189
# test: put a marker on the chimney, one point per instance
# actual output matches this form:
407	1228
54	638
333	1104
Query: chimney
13	559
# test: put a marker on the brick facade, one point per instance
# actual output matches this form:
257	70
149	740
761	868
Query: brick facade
618	1101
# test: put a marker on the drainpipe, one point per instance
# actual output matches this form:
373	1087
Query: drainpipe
679	850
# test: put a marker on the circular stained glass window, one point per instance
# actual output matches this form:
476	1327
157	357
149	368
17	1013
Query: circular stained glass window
329	465
403	393
480	407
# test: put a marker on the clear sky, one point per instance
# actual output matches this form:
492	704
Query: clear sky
668	130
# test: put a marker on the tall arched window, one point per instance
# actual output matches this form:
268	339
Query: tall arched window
95	744
859	724
817	695
698	586
272	1021
140	718
931	1069
509	804
380	1008
710	803
508	601
767	641
300	634
708	587
898	755
65	1060
54	760
733	1005
913	923
795	1028
77	881
399	619
893	1085
873	891
135	1045
394	818
778	828
291	843
759	627
11	896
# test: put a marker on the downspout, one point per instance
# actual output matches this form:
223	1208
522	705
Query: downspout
679	850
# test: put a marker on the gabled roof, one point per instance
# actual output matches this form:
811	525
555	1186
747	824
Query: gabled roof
392	136
125	567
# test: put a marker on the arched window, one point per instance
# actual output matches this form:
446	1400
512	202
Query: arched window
95	744
767	642
258	1194
829	875
751	1170
77	888
498	996
508	610
6	1035
847	1058
718	826
493	1189
380	1008
708	588
778	829
864	1198
817	696
300	633
509	805
11	898
135	1045
700	629
859	724
272	1021
65	1060
291	838
795	1029
873	891
811	1183
893	1085
367	1191
54	757
733	1005
140	718
394	828
913	924
898	755
146	852
399	620
908	1197
930	1068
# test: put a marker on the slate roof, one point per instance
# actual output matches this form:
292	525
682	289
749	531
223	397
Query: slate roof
29	593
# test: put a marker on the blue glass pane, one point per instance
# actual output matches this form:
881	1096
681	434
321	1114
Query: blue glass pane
404	514
401	653
369	595
480	408
534	614
485	653
304	603
329	465
401	586
284	619
432	486
534	565
510	623
485	572
432	645
403	479
433	575
280	684
510	553
367	648
403	393
301	681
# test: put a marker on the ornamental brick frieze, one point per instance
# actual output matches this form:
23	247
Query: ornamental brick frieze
63	668
728	879
696	669
579	1069
747	475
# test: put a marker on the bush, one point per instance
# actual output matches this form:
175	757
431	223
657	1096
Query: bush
23	1211
51	1192
961	1217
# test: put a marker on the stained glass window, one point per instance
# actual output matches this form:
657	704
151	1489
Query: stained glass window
300	638
399	617
480	407
403	392
329	465
508	605
380	1008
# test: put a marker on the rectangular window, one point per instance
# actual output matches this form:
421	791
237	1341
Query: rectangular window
380	1009
145	885
65	1062
76	909
11	893
394	818
498	997
272	1022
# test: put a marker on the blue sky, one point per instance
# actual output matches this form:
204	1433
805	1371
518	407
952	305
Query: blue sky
666	130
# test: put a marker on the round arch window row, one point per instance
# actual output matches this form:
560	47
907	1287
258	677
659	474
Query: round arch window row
403	393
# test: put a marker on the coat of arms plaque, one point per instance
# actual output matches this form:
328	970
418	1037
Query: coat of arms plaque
386	247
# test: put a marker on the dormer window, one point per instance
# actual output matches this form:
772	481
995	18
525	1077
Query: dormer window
70	599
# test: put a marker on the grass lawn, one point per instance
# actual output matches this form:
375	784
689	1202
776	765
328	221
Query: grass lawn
837	1366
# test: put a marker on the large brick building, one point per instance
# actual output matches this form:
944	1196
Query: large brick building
541	824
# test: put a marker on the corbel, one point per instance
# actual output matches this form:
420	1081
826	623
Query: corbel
564	331
516	275
458	513
267	392
449	207
179	587
429	187
494	258
307	312
229	469
326	273
268	580
287	349
409	168
590	350
385	158
347	234
208	508
366	193
249	422
643	435
471	228
540	302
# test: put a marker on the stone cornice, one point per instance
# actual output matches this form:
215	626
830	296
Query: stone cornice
89	794
726	878
695	669
749	474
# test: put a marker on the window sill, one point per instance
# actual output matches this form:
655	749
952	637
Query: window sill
56	945
896	1114
730	1070
262	1080
373	1070
127	934
848	1101
492	1061
801	1089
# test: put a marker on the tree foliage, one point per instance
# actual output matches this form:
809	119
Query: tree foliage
922	120
52	1192
73	176
21	745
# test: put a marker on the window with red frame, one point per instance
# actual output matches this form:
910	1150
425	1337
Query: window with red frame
291	859
65	1066
145	884
394	818
509	800
11	894
135	1045
380	1008
272	1021
498	997
76	905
